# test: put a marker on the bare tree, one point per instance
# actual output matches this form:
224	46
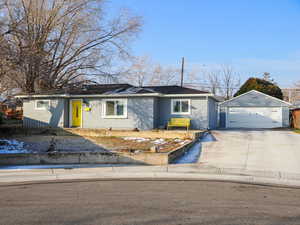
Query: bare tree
140	72
165	75
5	81
220	80
144	72
54	43
292	94
229	81
214	81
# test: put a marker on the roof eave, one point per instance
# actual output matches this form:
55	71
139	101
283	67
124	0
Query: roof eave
85	96
119	95
187	95
191	95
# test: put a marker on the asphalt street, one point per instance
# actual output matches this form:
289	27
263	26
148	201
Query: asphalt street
148	202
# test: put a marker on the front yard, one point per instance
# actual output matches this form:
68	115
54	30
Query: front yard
49	140
87	146
138	143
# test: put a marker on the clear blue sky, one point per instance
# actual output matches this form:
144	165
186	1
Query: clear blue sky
253	36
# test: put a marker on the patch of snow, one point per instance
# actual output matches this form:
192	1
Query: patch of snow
178	140
208	138
184	142
159	141
61	166
11	147
137	139
193	154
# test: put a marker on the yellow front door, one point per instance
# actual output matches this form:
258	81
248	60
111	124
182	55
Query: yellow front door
76	113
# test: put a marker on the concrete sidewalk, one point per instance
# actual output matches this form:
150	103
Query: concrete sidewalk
174	172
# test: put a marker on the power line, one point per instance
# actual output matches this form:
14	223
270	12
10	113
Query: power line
210	86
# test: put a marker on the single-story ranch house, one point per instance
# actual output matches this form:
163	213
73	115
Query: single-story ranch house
123	106
120	106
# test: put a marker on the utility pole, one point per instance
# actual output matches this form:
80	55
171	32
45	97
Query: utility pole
182	71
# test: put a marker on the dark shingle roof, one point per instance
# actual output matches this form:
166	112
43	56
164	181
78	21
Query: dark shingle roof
174	89
114	89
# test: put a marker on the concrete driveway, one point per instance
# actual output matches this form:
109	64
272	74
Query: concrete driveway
257	150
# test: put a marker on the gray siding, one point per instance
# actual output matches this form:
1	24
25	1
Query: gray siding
156	113
198	116
66	112
140	111
213	113
285	117
53	117
222	117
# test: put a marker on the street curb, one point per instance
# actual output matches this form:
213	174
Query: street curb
36	177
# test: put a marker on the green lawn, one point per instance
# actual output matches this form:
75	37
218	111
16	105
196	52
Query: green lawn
12	121
297	131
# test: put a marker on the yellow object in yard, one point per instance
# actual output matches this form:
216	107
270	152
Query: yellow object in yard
87	109
76	113
179	122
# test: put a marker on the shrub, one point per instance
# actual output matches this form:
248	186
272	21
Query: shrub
262	86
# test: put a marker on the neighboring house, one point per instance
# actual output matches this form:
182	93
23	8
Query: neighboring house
291	95
10	103
119	106
296	118
254	110
11	107
296	104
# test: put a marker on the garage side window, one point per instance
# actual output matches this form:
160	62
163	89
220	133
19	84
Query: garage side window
115	108
42	104
180	106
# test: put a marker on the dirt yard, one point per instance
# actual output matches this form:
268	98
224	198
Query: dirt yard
42	143
81	140
137	143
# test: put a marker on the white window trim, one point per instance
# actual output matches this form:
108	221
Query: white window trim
180	113
37	108
115	116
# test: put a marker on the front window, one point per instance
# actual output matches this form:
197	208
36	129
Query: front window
42	104
116	108
180	106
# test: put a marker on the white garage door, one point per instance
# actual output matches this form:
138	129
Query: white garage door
254	117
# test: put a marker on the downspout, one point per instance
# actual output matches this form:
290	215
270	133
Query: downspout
218	115
208	115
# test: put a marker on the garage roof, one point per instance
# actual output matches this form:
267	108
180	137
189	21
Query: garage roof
255	98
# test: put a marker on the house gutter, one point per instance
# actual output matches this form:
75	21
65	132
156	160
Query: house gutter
191	95
82	96
117	95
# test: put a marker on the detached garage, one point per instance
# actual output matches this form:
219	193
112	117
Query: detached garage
254	110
